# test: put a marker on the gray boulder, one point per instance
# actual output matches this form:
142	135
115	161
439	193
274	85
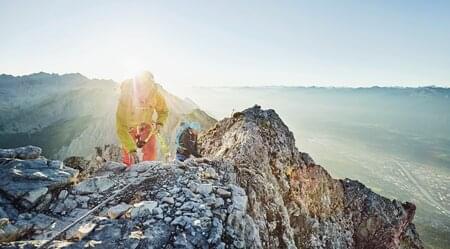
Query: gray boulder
26	152
94	185
7	209
118	210
27	181
11	232
143	208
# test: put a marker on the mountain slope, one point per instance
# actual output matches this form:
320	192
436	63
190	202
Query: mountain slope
70	114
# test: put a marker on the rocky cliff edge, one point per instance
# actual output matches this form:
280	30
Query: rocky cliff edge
252	189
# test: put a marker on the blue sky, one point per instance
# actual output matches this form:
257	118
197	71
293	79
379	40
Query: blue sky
331	43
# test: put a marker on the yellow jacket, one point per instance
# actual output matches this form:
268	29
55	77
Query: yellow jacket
129	115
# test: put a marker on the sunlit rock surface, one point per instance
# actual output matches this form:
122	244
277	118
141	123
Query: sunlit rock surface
294	202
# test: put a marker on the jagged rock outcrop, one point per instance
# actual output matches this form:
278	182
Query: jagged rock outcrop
252	189
26	182
295	202
27	185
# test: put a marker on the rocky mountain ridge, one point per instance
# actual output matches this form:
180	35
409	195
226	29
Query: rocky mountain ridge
251	189
294	201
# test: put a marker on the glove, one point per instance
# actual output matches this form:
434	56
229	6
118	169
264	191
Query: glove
140	144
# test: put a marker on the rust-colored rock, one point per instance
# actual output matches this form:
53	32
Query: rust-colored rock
294	202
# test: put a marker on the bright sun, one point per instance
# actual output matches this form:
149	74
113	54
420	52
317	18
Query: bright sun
132	67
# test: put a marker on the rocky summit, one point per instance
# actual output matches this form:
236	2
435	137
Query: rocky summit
251	189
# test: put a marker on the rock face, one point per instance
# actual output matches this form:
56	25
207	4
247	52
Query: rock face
252	189
25	182
27	185
27	152
294	202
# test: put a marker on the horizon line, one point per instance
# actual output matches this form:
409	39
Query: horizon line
432	85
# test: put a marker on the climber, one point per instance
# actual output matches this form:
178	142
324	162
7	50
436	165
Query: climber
139	101
186	140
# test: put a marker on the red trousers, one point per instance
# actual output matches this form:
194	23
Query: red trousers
149	149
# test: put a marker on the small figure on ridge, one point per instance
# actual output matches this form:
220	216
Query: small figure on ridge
186	140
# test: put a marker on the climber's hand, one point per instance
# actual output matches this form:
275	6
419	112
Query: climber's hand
134	156
140	144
